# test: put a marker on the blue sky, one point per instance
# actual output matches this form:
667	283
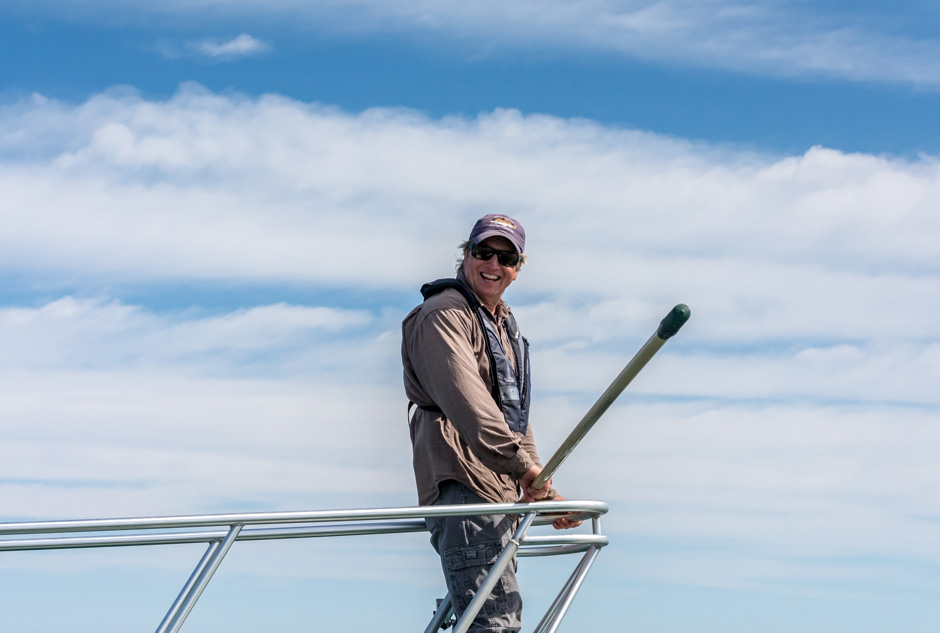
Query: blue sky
725	96
215	215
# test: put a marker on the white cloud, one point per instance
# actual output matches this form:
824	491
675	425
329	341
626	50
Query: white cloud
214	49
106	334
799	401
242	45
234	170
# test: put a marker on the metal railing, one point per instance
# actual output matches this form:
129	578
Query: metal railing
222	531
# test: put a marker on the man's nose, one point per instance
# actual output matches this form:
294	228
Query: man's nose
492	263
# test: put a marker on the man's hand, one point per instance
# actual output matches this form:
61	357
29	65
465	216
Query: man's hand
535	494
563	522
544	494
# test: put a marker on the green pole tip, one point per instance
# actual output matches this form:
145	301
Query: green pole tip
673	321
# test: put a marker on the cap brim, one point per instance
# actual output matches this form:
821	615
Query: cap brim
493	233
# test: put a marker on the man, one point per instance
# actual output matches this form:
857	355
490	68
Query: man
466	371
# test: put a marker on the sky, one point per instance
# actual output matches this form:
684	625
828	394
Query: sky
214	215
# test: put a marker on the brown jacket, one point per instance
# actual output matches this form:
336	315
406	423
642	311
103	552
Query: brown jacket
445	367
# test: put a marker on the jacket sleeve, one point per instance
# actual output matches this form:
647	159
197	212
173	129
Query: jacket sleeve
441	349
528	444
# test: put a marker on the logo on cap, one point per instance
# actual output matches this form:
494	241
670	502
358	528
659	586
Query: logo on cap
504	222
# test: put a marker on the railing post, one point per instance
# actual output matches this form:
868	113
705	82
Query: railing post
440	616
187	588
197	583
556	612
505	558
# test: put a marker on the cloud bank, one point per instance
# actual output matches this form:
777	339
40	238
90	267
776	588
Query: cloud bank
793	419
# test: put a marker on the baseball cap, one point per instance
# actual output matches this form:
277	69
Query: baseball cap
502	225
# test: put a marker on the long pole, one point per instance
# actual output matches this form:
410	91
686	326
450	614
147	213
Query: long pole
668	327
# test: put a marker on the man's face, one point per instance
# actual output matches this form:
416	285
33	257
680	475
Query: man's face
487	278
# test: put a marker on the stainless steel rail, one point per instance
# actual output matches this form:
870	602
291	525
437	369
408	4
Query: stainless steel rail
222	531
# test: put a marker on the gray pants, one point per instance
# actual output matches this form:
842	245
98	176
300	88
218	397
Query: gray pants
468	546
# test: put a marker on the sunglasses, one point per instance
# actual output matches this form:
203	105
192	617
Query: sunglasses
485	253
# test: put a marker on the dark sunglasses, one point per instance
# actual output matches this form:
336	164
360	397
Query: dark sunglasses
485	253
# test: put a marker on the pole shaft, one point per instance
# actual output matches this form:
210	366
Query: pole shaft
667	328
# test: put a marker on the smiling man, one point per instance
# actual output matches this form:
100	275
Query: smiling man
466	370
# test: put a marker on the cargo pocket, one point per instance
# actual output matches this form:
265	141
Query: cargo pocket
468	566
